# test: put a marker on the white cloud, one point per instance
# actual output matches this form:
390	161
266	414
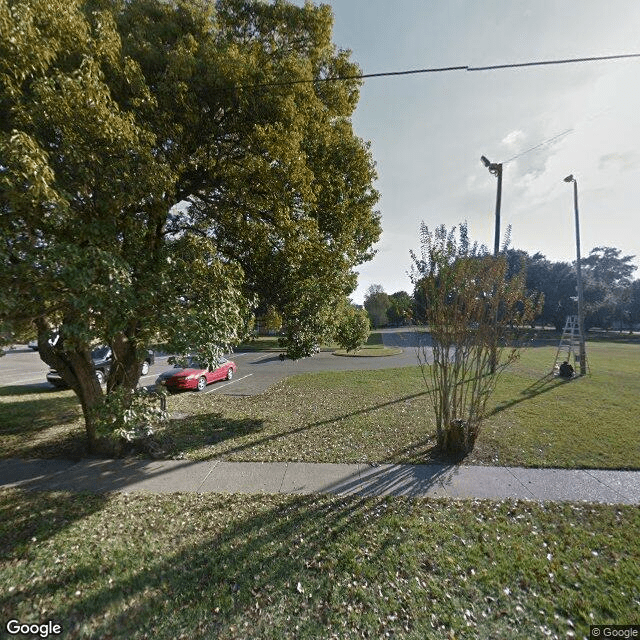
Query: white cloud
622	161
513	138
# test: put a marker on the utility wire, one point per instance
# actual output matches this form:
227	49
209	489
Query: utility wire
439	70
360	76
546	62
560	135
556	137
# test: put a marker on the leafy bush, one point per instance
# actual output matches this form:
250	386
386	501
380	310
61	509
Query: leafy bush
130	420
353	329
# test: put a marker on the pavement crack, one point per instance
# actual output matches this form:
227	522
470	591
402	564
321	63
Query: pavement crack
284	475
215	464
622	495
524	486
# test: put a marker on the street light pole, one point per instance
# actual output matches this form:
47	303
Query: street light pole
583	356
495	168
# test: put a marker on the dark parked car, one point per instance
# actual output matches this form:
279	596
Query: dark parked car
34	343
102	358
196	375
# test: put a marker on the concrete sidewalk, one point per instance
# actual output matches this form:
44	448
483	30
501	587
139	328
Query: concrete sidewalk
452	481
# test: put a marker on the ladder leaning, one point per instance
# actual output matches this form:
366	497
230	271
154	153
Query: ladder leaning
569	346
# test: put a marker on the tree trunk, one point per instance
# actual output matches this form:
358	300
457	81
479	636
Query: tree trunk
125	368
77	371
90	396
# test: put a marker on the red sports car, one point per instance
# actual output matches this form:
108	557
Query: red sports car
196	376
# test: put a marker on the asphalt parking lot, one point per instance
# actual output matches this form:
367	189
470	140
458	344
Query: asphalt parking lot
22	367
257	371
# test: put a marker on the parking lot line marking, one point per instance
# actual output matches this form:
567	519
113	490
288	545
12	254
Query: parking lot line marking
228	383
19	381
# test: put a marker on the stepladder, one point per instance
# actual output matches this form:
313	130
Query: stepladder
569	346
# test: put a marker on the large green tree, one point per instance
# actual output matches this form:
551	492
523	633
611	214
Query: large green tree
633	304
115	112
607	276
377	304
400	309
353	328
557	281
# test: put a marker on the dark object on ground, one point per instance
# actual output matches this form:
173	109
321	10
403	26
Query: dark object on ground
566	370
282	357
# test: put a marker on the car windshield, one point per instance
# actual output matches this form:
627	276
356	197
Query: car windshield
100	353
192	363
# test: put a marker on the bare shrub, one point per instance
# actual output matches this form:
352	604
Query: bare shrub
474	313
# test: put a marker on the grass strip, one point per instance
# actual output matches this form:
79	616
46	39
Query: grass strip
276	567
369	352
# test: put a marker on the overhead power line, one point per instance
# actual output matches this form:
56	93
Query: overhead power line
547	62
566	132
541	144
494	67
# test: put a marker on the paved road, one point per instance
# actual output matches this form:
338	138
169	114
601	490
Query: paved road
265	369
22	367
407	338
257	371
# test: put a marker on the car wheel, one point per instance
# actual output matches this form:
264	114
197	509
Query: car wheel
229	373
145	368
100	376
202	383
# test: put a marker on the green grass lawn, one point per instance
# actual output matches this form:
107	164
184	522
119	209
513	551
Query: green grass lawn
385	416
590	421
270	343
379	416
260	343
277	567
40	424
369	351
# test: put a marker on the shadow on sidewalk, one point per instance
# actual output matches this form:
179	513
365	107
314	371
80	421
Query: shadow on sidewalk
99	475
387	479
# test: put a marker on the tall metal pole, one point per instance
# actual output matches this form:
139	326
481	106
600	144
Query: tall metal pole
583	351
495	168
498	173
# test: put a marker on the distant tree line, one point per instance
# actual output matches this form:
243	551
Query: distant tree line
384	310
611	296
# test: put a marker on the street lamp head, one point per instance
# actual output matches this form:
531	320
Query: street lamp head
485	162
570	178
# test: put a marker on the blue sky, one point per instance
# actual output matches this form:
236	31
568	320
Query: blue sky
429	131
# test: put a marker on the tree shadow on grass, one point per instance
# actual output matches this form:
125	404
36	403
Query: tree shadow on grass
29	517
194	432
426	451
264	568
28	389
38	425
238	436
545	384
